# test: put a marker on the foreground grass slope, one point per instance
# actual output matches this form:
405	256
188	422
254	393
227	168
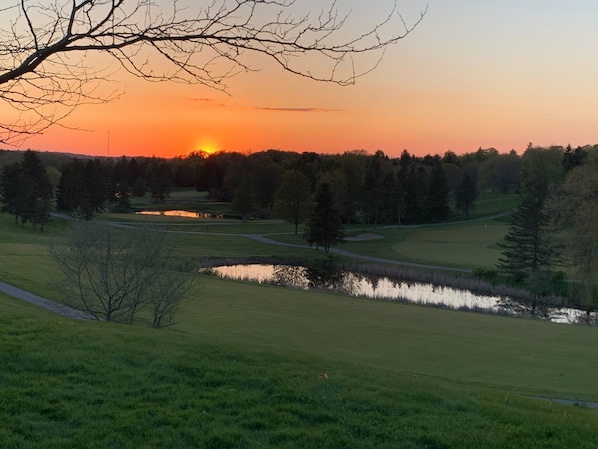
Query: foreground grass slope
75	384
254	366
520	355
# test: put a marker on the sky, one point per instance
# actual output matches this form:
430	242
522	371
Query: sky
474	73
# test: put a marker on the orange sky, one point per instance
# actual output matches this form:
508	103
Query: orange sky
473	74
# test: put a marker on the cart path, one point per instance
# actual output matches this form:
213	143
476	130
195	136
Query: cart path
44	303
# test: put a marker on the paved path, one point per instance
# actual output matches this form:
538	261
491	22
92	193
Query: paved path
44	303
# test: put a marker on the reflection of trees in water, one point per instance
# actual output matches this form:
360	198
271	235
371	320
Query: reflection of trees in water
290	276
351	283
524	308
325	274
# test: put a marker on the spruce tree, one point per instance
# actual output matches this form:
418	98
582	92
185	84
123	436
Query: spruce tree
466	194
324	226
26	191
530	251
436	206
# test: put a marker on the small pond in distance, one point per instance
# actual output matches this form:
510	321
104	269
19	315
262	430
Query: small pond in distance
180	213
390	289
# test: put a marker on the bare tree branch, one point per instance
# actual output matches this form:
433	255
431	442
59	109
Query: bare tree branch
45	73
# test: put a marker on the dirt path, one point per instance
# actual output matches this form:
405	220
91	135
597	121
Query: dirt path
44	303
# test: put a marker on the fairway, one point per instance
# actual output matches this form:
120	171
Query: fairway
527	356
471	245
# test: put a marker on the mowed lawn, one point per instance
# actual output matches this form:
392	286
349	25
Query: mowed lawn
238	380
465	245
520	355
251	366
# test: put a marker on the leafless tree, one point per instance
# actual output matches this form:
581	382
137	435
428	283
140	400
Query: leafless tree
47	48
115	274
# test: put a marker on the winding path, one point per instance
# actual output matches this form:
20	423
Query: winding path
44	303
71	312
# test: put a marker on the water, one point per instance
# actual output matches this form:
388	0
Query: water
389	289
181	213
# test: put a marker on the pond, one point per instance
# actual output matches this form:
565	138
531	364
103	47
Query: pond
391	290
181	213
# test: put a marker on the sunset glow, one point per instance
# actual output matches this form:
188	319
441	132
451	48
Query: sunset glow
483	74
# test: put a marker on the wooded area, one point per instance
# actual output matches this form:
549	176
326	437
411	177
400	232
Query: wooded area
327	192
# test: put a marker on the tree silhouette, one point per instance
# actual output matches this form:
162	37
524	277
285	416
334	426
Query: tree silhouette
45	75
436	202
292	199
466	194
26	191
324	226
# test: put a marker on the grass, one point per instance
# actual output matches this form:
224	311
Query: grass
490	203
516	354
96	385
257	366
464	245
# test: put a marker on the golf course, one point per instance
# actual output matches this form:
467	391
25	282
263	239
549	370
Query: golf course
255	366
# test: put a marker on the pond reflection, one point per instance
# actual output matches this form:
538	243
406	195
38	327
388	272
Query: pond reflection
180	213
393	290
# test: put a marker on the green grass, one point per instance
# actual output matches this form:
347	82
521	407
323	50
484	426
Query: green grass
517	354
466	245
74	384
243	366
489	204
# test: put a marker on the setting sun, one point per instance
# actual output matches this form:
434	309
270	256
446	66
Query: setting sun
207	146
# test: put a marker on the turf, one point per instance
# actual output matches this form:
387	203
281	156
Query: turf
464	245
73	384
257	366
516	354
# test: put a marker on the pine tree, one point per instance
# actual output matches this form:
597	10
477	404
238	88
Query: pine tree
466	194
436	207
530	252
26	190
42	190
324	226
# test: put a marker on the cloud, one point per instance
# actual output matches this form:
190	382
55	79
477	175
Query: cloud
213	103
210	102
296	109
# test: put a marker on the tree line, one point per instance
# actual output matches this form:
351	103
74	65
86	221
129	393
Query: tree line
323	192
372	189
368	188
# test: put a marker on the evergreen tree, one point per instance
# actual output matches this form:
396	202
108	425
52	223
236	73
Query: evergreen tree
324	226
160	183
15	191
573	158
466	194
26	191
436	207
413	189
82	188
530	250
39	206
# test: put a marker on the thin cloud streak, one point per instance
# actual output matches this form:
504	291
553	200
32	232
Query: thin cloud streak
210	102
297	109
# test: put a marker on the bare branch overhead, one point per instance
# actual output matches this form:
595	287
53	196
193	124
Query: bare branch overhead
45	73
